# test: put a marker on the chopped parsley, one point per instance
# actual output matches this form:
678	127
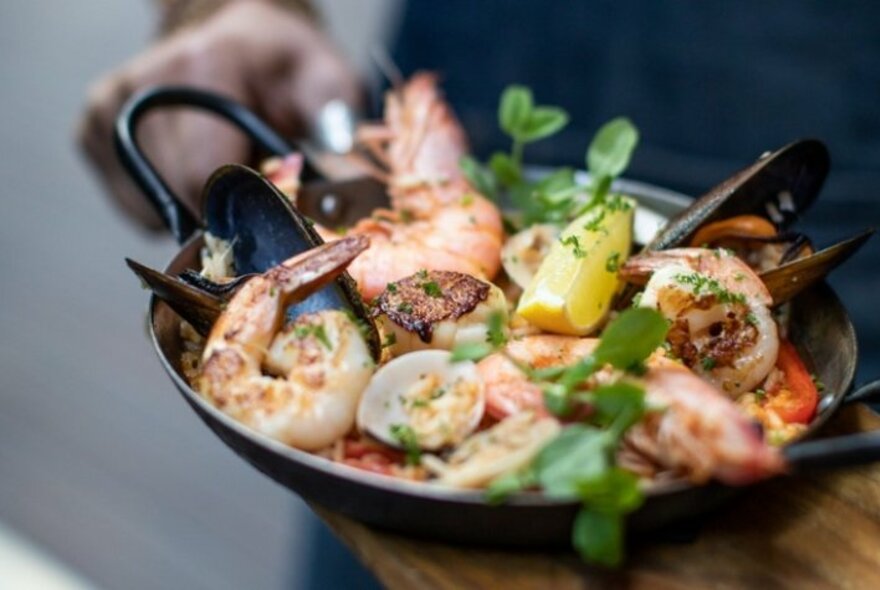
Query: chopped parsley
467	200
391	287
405	307
708	363
406	437
573	241
704	285
751	319
596	223
432	289
390	340
612	263
318	332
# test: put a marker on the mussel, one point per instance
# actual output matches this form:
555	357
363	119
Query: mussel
240	207
244	209
756	207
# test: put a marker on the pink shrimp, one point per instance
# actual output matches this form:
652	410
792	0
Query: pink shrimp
437	221
699	432
692	430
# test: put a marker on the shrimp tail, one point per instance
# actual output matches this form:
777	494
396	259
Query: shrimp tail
305	274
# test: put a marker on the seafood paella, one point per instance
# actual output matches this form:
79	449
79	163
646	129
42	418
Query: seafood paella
529	338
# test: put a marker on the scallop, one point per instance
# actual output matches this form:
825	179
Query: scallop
440	402
437	310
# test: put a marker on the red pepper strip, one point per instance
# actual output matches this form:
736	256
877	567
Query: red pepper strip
796	401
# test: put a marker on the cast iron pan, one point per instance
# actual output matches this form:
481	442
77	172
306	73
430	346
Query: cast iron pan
821	330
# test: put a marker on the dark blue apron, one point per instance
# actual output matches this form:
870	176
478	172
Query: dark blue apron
710	85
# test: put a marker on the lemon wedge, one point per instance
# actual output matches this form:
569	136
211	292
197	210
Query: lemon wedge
573	288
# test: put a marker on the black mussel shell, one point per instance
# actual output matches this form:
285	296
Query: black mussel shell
779	186
265	229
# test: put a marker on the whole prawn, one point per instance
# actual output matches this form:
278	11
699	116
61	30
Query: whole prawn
693	428
300	385
437	221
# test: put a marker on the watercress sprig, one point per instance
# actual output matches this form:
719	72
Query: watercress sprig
580	462
557	197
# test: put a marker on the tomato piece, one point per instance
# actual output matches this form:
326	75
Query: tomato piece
797	400
379	467
357	449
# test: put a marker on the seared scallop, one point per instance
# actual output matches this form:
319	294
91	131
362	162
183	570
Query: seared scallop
438	310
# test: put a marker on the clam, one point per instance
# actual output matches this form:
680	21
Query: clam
423	399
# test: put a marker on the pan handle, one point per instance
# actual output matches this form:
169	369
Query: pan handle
176	216
841	451
867	393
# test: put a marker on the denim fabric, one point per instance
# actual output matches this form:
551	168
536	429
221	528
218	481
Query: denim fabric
710	85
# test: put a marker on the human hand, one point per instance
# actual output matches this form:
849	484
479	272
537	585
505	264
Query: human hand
266	57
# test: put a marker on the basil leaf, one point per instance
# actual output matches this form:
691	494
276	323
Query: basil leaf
631	338
612	148
618	406
578	454
478	176
598	537
544	122
506	170
515	110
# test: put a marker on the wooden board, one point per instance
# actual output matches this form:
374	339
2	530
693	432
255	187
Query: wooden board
813	531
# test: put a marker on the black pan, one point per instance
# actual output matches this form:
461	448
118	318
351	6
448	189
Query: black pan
821	330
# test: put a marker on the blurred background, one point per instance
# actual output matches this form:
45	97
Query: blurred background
107	480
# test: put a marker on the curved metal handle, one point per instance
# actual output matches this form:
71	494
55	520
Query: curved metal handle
840	451
170	208
833	453
867	393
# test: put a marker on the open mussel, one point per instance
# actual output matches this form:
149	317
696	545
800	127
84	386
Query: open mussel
262	229
790	278
778	186
751	213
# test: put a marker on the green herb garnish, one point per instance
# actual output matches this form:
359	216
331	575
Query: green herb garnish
318	332
432	289
612	263
573	241
406	437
